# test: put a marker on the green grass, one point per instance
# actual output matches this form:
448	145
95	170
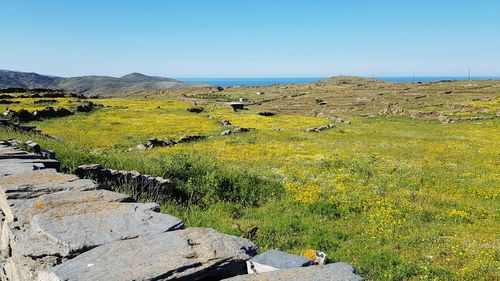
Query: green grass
398	198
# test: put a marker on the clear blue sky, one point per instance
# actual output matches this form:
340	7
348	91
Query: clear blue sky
251	38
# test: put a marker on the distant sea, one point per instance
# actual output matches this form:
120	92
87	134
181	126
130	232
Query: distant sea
303	80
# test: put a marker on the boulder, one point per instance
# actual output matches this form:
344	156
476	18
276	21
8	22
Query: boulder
330	272
190	254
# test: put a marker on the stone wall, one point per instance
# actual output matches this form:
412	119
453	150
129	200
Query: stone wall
56	226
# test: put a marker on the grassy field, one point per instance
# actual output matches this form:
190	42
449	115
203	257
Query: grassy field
399	196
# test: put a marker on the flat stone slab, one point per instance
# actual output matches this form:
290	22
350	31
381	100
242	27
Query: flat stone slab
87	225
74	228
274	260
55	227
47	163
330	272
24	210
11	167
36	183
17	234
189	254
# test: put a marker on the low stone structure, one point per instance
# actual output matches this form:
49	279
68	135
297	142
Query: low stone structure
320	128
168	142
56	226
132	182
266	113
59	227
237	106
23	115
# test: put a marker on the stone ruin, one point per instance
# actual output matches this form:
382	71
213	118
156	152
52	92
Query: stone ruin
232	129
24	115
131	182
237	106
58	226
152	143
320	128
266	113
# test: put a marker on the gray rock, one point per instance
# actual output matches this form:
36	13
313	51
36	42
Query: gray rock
330	272
141	147
59	226
274	260
36	183
87	225
16	234
33	146
26	268
47	163
9	167
190	254
24	210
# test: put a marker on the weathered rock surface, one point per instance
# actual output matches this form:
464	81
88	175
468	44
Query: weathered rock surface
274	260
190	254
329	272
87	225
30	184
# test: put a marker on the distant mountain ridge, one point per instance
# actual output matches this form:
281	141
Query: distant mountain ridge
91	85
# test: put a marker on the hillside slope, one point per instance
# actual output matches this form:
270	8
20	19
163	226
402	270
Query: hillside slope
91	85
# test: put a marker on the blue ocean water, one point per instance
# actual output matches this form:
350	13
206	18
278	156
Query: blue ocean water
251	81
303	80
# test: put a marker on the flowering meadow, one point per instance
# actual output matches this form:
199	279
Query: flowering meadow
399	197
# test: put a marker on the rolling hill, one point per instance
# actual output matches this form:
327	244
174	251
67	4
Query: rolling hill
91	85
